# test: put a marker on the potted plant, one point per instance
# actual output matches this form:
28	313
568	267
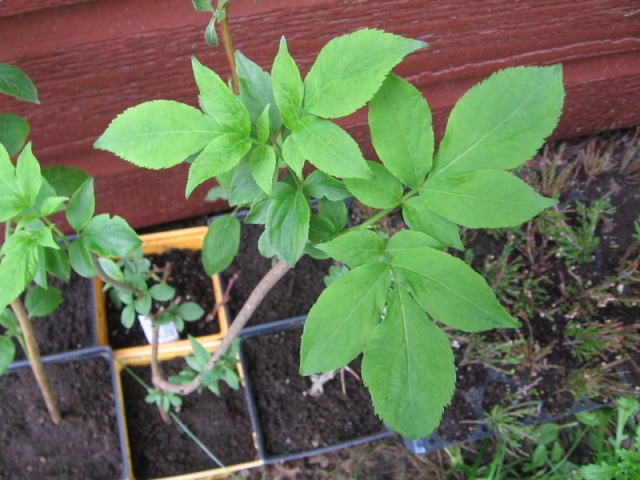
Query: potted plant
255	140
34	247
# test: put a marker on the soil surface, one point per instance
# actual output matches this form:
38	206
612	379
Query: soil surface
300	287
191	283
290	419
159	450
86	443
71	326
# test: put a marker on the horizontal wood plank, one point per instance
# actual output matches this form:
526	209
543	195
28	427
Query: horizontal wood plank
92	59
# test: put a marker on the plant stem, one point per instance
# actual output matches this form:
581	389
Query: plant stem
156	371
252	303
33	353
227	41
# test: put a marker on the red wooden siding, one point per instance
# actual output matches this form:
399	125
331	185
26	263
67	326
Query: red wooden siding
91	59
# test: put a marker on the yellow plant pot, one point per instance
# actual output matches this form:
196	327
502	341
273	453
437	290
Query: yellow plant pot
158	243
141	358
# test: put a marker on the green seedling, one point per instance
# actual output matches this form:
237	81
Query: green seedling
255	140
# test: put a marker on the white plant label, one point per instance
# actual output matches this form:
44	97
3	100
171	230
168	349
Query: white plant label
166	333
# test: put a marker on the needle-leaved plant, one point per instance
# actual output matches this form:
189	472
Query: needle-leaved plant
397	291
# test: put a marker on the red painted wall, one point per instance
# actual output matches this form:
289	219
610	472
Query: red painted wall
91	59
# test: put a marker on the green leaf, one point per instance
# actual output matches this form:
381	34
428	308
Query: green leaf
484	199
210	34
501	122
112	269
382	190
221	154
200	353
256	91
221	244
321	230
11	202
334	211
258	211
219	102
65	180
401	130
287	226
42	301
419	217
110	237
80	259
190	311
408	240
350	69
355	247
202	5
81	206
14	131
263	167
409	368
450	290
343	318
320	185
287	85
243	189
57	263
17	268
128	316
143	304
158	134
292	156
16	83
7	353
330	148
263	126
162	292
28	176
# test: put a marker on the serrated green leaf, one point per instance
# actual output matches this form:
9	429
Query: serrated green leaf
401	130
158	134
42	301
342	320
405	240
202	5
219	102
17	268
190	311
57	263
263	125
64	180
330	148
419	217
287	226
321	230
450	290
16	83
200	353
484	199
81	206
221	244
7	353
112	269
220	155
355	247
80	259
50	205
264	247
162	292
500	123
382	190
292	156
334	211
28	176
320	185
287	85
243	189
110	237
11	202
409	368
258	211
14	131
256	91
263	167
9	321
350	69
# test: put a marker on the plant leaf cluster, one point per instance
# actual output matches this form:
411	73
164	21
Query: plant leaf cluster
397	289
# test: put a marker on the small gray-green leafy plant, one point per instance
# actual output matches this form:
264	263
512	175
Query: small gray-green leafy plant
396	290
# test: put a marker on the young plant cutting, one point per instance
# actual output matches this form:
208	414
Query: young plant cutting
386	303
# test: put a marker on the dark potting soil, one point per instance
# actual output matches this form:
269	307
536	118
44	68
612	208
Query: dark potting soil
70	327
86	443
159	450
300	287
191	283
290	419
